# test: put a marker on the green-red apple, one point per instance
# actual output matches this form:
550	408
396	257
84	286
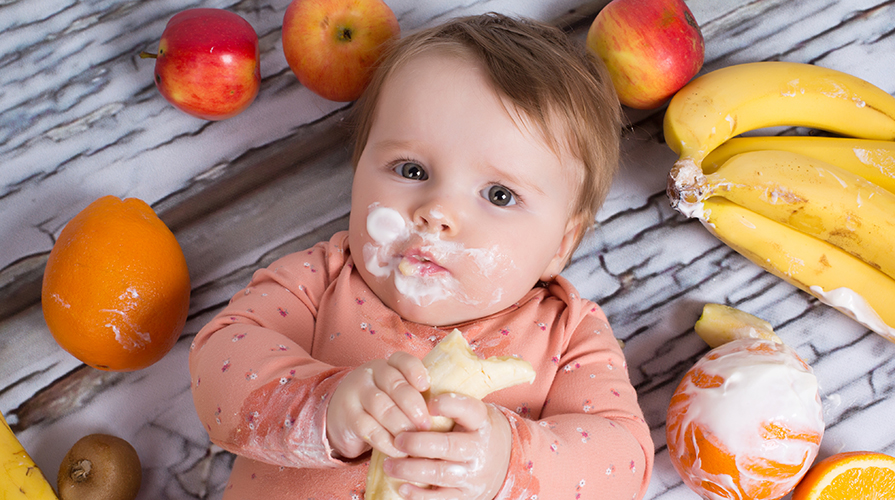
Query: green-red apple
332	45
652	48
208	63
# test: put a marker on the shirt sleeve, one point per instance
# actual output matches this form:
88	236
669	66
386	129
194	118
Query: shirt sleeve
590	440
257	390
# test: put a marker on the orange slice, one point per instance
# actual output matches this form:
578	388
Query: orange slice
855	475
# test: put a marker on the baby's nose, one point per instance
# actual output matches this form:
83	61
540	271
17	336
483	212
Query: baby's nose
433	219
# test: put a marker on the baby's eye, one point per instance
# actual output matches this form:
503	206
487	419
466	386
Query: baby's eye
499	195
411	170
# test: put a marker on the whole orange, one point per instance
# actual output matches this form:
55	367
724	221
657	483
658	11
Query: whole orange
746	421
116	288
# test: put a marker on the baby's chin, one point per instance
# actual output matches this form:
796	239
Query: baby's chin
439	314
445	312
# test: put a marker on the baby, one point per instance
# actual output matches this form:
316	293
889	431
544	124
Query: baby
484	148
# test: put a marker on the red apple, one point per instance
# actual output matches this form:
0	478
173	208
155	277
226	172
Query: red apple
208	63
332	45
652	48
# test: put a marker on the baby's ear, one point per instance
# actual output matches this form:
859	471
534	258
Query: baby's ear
570	239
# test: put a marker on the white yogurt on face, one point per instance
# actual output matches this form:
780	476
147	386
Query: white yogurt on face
423	291
386	226
391	233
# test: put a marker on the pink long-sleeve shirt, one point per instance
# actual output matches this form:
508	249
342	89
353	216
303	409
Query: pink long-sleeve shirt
264	369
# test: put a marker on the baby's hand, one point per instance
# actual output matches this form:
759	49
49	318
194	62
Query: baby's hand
376	402
470	461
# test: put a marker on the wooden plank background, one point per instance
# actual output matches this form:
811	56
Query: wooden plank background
80	117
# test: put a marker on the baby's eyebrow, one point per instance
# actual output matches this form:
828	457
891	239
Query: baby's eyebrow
392	144
508	174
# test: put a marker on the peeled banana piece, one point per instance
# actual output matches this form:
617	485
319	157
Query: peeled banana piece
453	368
720	324
20	478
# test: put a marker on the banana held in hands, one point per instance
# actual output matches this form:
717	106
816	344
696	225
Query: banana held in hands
453	367
19	476
819	217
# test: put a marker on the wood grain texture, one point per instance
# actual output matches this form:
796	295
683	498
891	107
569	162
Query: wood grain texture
79	118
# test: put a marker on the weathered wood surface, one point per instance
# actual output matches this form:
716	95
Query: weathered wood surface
80	117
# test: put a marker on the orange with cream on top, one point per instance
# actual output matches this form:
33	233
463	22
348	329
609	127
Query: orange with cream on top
745	422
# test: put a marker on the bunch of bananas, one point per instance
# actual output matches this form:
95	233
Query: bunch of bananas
818	212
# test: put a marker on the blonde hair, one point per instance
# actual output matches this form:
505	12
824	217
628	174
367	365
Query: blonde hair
556	83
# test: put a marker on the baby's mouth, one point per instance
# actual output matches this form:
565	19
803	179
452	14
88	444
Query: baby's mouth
419	264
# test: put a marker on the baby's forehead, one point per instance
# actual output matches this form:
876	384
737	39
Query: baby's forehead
534	112
412	60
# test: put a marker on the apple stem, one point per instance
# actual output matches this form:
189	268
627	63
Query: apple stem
148	55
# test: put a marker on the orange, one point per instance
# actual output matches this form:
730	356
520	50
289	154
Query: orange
854	475
746	421
116	288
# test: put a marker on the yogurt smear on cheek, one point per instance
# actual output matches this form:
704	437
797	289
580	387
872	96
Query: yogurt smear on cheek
386	226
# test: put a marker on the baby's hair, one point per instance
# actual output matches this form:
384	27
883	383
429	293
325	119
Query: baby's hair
549	78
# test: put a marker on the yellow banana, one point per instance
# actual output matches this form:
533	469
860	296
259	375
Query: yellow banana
453	367
835	277
871	159
712	109
720	324
729	101
814	197
20	478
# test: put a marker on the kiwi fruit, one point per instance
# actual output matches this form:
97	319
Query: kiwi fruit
100	467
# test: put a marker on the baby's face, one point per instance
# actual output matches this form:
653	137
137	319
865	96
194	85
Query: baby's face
458	204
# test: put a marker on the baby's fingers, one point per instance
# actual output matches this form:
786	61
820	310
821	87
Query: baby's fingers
377	436
450	446
412	492
404	385
386	411
412	368
431	472
467	413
